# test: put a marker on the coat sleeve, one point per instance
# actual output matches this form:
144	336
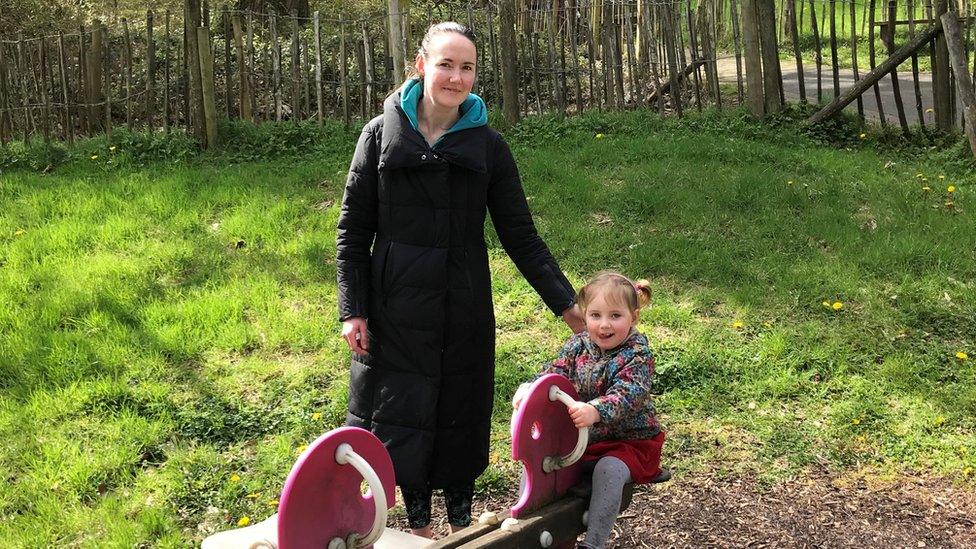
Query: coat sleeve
357	228
513	223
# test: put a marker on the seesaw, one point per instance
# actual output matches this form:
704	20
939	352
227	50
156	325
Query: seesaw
323	506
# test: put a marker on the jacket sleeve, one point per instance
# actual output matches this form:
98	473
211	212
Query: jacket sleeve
629	391
513	222
357	228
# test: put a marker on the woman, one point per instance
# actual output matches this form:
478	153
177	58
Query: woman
414	284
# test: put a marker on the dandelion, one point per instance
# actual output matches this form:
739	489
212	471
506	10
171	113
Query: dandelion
926	189
301	448
19	232
863	135
856	421
860	438
112	148
272	503
738	325
235	478
967	471
316	416
940	420
951	189
826	304
961	355
251	496
94	157
790	182
919	175
752	405
243	521
941	176
600	136
837	305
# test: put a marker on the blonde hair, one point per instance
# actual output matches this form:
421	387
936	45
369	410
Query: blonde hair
618	289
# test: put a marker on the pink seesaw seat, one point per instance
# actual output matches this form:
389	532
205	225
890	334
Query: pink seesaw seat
322	501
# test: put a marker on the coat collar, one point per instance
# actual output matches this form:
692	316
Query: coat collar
404	147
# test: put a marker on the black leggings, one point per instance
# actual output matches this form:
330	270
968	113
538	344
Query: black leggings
456	499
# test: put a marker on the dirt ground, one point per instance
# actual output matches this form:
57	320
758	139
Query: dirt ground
813	511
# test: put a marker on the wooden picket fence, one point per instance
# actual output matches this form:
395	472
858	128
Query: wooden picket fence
190	69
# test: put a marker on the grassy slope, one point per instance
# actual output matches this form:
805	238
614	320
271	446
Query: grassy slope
169	339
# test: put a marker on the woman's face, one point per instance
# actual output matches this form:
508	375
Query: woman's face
448	69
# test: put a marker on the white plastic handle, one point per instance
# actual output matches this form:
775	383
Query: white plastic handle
554	463
346	456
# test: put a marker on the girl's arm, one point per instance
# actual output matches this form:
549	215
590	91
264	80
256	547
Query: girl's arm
562	365
357	228
630	389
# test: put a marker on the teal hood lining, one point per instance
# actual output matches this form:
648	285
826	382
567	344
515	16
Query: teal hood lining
473	111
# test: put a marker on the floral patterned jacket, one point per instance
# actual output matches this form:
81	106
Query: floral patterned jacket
616	382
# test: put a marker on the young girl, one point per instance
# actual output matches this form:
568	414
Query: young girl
611	367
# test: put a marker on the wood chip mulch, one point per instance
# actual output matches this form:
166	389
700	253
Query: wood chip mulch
815	510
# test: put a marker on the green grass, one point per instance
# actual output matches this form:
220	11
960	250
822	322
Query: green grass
168	339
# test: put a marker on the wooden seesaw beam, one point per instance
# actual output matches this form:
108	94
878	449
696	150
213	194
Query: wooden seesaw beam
877	74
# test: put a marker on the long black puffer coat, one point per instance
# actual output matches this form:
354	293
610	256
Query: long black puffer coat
412	259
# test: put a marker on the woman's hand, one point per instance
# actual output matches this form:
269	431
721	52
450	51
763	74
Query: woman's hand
583	414
354	332
574	319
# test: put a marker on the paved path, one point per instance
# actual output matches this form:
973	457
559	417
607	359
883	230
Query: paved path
791	88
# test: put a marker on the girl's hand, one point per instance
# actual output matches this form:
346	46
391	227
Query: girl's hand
354	332
520	395
583	414
574	319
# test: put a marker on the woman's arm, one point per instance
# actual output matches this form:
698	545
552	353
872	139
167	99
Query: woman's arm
513	222
354	238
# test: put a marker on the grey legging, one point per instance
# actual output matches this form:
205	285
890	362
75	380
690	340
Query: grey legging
609	476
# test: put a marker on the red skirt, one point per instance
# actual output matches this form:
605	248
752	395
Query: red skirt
643	457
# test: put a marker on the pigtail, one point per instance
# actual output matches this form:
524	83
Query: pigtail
643	288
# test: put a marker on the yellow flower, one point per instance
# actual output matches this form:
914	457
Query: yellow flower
19	232
856	421
316	416
301	448
235	477
919	175
600	136
94	157
826	304
244	521
967	471
837	306
941	176
272	503
940	420
863	135
112	148
951	188
738	325
961	355
251	496
926	188
860	438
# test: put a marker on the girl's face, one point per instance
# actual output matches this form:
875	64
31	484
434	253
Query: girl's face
608	324
448	69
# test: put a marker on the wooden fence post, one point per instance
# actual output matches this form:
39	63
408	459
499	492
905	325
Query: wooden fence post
754	77
127	51
243	71
207	84
772	75
318	67
397	49
193	47
964	83
509	53
296	64
4	95
166	77
107	80
150	69
344	72
941	90
69	129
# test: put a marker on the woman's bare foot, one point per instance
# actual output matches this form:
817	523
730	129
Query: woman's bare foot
425	532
